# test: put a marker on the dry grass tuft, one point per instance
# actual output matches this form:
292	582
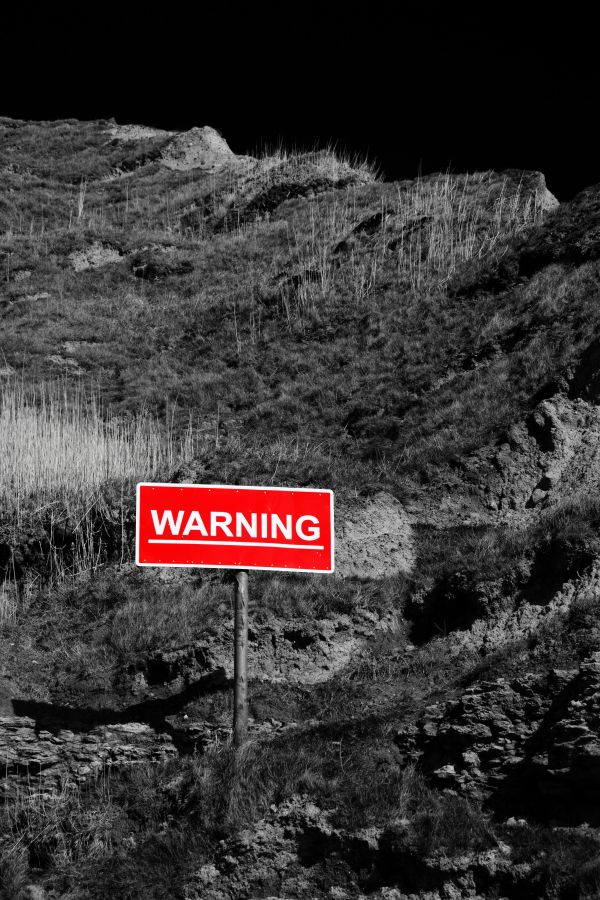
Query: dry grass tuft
448	220
436	225
56	448
67	476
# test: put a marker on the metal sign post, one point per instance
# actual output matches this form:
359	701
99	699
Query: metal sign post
240	660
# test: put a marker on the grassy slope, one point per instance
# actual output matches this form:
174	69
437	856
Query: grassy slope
308	351
356	358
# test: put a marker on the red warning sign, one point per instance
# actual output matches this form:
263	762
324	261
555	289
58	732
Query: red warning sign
234	527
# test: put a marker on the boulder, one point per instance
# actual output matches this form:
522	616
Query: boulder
198	148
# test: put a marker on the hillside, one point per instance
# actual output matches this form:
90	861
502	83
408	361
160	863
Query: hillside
424	722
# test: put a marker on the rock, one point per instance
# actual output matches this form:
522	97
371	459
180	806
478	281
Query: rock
266	186
547	481
551	456
40	295
544	426
532	183
566	764
570	235
288	651
537	497
51	757
294	851
20	275
138	133
206	874
373	537
198	148
526	743
93	257
471	743
182	666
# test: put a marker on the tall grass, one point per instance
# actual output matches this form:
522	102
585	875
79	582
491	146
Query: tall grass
448	220
224	195
435	226
310	250
60	453
55	831
59	448
317	271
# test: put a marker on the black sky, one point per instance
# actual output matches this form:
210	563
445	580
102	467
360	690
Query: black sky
416	86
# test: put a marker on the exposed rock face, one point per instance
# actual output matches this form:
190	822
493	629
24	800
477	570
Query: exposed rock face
198	148
295	852
549	456
279	855
528	743
283	651
566	760
475	742
48	757
534	183
373	537
54	744
138	133
269	183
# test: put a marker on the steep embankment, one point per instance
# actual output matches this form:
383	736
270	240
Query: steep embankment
425	722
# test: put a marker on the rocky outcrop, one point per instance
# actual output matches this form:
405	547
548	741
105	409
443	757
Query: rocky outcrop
524	744
474	743
572	235
138	133
294	851
565	760
544	459
45	758
57	743
199	148
265	185
279	855
290	651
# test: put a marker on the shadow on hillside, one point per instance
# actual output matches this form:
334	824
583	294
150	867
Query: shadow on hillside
553	783
154	712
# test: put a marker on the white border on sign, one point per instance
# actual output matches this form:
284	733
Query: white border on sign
231	487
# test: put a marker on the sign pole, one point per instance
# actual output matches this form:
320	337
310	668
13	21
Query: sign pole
235	527
240	660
